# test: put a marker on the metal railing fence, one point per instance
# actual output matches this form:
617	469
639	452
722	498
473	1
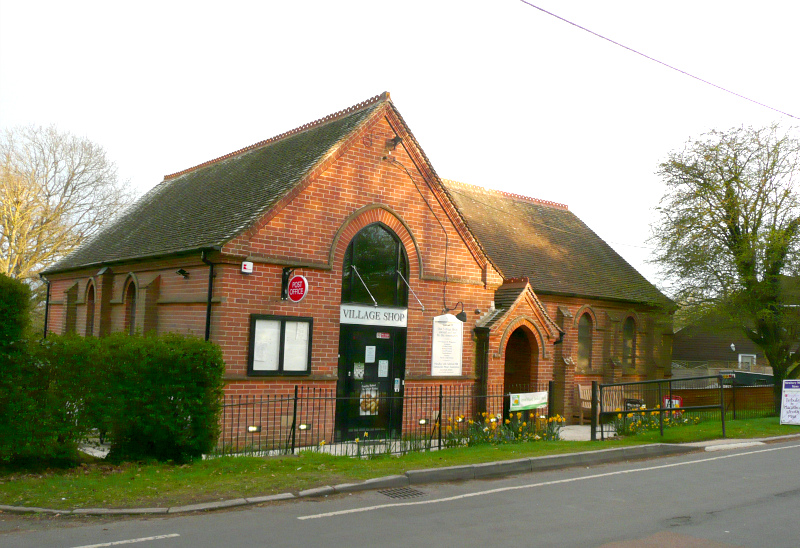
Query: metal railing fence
432	417
712	397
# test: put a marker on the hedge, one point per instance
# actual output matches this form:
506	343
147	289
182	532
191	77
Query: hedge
152	397
15	299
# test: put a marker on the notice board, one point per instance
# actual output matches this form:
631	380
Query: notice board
790	402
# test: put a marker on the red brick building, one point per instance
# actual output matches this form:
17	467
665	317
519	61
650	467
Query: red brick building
347	216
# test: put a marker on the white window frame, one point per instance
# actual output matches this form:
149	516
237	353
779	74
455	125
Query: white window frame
750	355
287	357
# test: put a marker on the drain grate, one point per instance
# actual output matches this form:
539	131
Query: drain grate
401	493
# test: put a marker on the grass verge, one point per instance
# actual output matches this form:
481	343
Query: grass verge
95	484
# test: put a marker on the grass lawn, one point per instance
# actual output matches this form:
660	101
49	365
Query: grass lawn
712	429
94	484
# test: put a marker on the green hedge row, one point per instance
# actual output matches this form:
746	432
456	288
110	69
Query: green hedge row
151	397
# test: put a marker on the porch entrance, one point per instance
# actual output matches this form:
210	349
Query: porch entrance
522	362
371	379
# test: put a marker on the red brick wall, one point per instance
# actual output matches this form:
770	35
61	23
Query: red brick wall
651	357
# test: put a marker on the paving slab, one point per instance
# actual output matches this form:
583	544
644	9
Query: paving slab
435	475
317	492
119	511
269	498
32	510
207	506
502	468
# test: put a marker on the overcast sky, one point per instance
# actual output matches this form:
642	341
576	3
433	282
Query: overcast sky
498	93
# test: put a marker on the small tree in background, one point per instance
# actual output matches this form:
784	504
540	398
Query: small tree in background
729	232
57	190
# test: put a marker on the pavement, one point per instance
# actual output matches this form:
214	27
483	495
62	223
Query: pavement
438	475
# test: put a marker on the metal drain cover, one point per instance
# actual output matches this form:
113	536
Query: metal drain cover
401	493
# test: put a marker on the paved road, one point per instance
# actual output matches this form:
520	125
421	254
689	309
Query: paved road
739	497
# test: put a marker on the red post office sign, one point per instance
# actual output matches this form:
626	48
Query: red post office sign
298	288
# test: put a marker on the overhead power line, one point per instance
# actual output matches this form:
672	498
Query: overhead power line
659	62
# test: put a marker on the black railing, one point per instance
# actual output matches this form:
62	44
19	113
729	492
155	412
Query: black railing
713	397
425	418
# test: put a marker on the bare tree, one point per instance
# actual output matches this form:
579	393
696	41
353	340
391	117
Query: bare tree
729	234
56	191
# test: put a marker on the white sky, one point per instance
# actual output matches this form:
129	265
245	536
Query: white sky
498	93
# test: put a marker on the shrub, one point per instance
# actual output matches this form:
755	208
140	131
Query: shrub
49	388
164	397
156	397
15	298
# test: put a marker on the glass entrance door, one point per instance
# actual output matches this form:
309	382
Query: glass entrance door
370	387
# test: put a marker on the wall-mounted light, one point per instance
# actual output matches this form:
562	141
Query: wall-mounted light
391	144
733	347
304	426
254	428
182	272
423	422
461	316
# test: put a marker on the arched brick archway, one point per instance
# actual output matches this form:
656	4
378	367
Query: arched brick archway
376	213
521	366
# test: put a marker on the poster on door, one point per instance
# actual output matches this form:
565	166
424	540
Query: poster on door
368	403
358	371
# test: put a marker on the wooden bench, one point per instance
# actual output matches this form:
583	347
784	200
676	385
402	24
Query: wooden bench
613	399
583	403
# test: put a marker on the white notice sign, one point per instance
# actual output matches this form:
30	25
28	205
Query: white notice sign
448	342
383	368
790	402
369	354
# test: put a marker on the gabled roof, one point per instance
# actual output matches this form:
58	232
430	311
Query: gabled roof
506	299
207	205
547	243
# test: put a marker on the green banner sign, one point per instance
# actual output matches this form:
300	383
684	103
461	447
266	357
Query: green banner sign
530	400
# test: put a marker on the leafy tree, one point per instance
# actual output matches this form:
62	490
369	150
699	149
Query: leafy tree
729	233
56	191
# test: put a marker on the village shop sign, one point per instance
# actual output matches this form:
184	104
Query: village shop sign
360	314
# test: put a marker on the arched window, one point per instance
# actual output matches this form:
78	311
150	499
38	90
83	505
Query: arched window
629	343
372	262
90	310
585	341
130	308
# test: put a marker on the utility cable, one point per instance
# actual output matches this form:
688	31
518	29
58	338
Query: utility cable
659	62
394	161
